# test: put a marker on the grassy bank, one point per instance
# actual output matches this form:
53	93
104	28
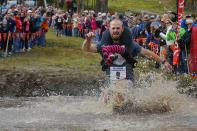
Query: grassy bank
62	68
156	6
61	53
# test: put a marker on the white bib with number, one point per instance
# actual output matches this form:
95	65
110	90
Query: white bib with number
59	20
117	73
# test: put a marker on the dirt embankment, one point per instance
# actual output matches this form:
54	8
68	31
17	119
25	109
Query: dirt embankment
24	83
17	83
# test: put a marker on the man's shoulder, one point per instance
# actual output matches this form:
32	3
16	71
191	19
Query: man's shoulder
126	37
127	31
106	31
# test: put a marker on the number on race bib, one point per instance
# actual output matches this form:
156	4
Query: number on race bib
117	73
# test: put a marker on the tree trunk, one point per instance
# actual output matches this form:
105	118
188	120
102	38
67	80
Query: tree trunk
191	5
194	4
80	5
98	5
106	6
102	5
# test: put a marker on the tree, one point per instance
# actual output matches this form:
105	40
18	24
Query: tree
80	5
97	5
102	5
191	5
194	4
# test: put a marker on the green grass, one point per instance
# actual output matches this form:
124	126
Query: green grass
61	53
154	6
142	5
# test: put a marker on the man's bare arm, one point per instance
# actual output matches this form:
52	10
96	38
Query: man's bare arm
151	55
87	45
155	57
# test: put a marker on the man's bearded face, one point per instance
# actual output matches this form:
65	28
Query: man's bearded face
116	29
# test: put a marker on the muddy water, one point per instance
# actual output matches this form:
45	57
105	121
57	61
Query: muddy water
60	113
85	113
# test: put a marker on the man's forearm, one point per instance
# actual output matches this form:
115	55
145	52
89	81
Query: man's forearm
88	46
151	55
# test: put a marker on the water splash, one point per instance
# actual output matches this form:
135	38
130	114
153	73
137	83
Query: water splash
150	93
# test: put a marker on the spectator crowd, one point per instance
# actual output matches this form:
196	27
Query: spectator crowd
21	28
155	32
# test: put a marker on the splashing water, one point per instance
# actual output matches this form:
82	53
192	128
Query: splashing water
149	94
153	104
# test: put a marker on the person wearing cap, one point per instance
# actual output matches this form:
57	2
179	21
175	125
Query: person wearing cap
119	36
29	11
85	12
189	22
184	44
152	18
99	13
104	16
187	19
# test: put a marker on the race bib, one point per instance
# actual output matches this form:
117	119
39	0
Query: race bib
117	73
59	20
